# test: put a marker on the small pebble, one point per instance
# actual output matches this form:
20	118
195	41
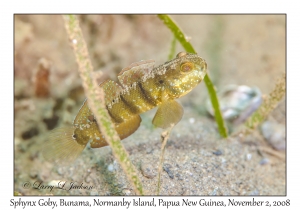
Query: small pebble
30	133
94	192
60	170
33	174
214	192
179	176
17	141
33	155
218	152
110	168
127	191
192	120
148	170
223	160
264	161
249	156
255	192
274	133
149	150
88	179
167	169
43	175
55	183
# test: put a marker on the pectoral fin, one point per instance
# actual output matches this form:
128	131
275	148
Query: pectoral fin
169	112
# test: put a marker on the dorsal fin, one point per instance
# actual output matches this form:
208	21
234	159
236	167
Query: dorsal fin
135	71
111	90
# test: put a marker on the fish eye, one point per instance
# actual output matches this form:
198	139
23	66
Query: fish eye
186	67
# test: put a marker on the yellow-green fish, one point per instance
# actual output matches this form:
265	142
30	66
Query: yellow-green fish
142	87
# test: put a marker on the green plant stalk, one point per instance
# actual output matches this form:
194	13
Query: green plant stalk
210	87
173	49
214	47
269	104
95	96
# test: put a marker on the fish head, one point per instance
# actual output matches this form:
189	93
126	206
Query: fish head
187	71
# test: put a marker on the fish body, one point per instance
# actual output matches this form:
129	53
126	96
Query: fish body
142	87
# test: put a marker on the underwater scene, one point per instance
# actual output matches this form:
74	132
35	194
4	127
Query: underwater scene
158	79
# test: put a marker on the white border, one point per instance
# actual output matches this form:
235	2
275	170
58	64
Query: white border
8	8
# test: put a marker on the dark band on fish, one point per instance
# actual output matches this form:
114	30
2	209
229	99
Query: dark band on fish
147	96
113	117
129	106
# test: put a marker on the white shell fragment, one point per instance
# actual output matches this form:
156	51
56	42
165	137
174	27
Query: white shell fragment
274	133
237	103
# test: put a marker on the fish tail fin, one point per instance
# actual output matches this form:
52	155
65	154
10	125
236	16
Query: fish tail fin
61	147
